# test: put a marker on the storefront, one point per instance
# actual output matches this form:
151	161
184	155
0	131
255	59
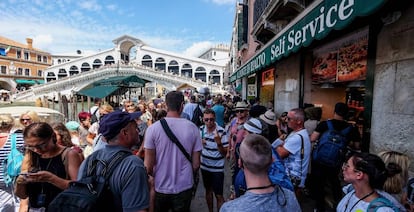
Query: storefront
327	54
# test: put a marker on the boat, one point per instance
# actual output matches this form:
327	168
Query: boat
45	114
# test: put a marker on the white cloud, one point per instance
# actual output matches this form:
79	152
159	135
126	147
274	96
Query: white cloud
90	5
196	49
221	2
111	7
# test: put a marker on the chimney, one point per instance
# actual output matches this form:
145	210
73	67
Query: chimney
29	43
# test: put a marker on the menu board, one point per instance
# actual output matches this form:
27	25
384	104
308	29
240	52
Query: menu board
343	60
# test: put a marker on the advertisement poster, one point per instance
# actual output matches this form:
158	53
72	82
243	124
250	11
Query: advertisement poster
251	90
268	77
343	60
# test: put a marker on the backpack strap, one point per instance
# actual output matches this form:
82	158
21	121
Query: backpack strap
344	132
330	125
109	165
380	202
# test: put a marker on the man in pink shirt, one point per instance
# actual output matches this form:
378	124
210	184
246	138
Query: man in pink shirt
172	171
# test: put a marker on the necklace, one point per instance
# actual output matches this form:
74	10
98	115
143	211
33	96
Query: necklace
260	187
364	197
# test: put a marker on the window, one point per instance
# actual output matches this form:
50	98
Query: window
26	56
19	71
18	54
39	73
27	72
3	70
44	59
39	58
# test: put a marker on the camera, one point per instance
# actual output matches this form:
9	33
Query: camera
295	181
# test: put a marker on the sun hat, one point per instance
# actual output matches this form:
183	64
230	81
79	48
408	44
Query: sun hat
269	117
112	123
253	125
241	106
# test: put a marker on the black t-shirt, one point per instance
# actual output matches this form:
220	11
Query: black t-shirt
340	125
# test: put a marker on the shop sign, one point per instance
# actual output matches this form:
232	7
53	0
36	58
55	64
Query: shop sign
268	77
318	23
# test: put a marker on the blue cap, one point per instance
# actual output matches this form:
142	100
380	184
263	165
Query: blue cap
111	124
72	125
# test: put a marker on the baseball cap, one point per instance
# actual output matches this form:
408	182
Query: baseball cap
112	123
72	125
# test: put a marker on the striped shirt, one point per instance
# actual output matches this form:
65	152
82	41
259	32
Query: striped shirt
6	150
211	158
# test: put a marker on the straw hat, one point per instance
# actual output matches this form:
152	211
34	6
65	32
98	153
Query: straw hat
241	106
269	117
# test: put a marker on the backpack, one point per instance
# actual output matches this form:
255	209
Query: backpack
379	202
276	173
197	116
92	192
94	117
330	149
14	162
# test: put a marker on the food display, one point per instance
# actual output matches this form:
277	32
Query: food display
352	61
325	67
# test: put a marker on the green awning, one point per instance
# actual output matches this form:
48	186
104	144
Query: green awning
239	88
100	91
40	81
25	81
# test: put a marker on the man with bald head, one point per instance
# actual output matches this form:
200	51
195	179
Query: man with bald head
261	194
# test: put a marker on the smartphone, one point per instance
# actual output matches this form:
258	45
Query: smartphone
24	174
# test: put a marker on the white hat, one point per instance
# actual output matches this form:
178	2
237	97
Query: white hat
269	117
253	125
241	106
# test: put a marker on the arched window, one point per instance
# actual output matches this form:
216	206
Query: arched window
160	64
214	77
200	73
62	73
85	67
147	61
73	70
96	63
187	70
109	60
173	67
50	76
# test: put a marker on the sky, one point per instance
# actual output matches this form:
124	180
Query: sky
64	26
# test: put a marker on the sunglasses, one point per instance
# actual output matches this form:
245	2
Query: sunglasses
38	147
239	111
209	119
25	120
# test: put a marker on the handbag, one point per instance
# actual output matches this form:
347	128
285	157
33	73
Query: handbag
173	138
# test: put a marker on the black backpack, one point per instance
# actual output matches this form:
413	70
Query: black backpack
92	192
197	116
94	117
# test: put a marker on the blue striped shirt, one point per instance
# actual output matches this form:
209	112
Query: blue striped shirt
211	158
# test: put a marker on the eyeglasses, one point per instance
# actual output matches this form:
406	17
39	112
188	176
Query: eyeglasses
22	120
209	119
38	147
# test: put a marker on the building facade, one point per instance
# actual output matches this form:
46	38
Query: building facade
21	65
320	52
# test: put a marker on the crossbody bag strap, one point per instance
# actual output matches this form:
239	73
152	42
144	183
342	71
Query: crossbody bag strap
302	154
174	139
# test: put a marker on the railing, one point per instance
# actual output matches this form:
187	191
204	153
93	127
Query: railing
75	83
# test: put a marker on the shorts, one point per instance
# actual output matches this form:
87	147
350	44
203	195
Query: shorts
214	180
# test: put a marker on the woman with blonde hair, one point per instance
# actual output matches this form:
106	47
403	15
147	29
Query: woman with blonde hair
8	202
394	185
28	117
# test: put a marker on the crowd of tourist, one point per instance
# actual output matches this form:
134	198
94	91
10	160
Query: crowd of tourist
169	151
